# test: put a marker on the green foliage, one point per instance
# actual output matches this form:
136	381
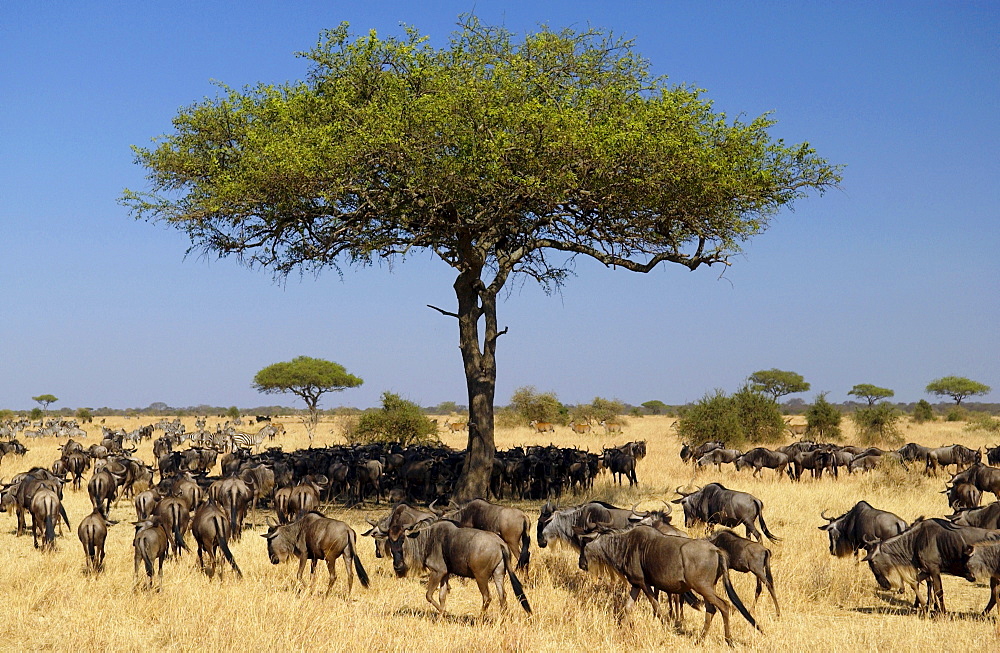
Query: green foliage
877	424
746	417
983	422
36	413
45	400
777	383
956	414
870	393
760	416
923	412
448	408
84	415
656	407
308	378
233	412
599	410
527	404
823	418
398	420
957	387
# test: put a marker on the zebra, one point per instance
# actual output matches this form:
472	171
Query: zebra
246	441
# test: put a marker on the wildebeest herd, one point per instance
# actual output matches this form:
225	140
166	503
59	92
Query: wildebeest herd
423	532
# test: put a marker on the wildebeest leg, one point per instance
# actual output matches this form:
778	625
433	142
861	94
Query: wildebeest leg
498	574
938	593
751	530
630	604
437	580
331	562
714	602
649	592
484	588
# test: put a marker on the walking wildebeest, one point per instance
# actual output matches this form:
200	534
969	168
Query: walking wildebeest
444	549
560	525
174	514
987	479
748	557
511	524
93	531
408	516
650	561
924	551
850	532
150	543
233	495
315	537
692	454
762	457
956	454
983	563
211	530
718	456
46	508
715	504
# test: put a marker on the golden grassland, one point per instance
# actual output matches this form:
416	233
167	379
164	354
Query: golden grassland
828	604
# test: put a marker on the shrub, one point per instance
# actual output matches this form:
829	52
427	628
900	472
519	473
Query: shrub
36	413
759	416
955	415
923	412
877	424
746	417
529	405
6	415
84	415
398	421
599	410
983	422
823	418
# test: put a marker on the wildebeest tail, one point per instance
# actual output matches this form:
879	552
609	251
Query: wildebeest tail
224	545
692	600
178	537
50	530
358	567
62	511
763	525
515	584
525	557
731	592
767	567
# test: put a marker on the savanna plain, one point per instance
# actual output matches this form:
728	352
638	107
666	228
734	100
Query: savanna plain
827	604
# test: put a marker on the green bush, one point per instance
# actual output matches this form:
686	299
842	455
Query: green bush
923	412
6	415
36	413
747	417
398	421
955	415
759	415
877	424
983	422
597	411
530	405
84	415
823	418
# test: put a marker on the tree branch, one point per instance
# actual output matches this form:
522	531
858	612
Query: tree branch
443	312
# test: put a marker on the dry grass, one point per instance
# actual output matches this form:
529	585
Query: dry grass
826	602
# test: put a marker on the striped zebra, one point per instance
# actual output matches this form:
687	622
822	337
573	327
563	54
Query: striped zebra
246	441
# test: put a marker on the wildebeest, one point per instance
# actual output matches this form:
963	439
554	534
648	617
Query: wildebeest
984	562
444	550
850	532
985	517
408	516
715	504
145	503
650	561
986	478
93	531
314	537
924	551
305	496
46	508
103	487
692	454
560	525
761	457
956	454
993	455
174	514
511	524
719	456
150	543
233	495
748	557
963	495
210	528
912	452
621	464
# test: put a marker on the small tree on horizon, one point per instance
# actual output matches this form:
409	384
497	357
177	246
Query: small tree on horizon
309	379
777	383
870	393
45	400
957	387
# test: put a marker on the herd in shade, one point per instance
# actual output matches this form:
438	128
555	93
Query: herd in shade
424	532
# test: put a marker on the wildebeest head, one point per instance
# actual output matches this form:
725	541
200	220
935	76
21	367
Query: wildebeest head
397	546
689	502
280	541
981	561
840	545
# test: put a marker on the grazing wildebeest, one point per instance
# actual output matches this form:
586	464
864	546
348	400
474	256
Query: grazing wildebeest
46	508
407	517
985	517
956	454
93	531
76	463
761	457
692	454
210	528
650	561
719	456
150	543
560	525
174	514
986	478
984	562
315	537
444	549
963	495
850	532
511	524
993	455
748	557
715	504
924	551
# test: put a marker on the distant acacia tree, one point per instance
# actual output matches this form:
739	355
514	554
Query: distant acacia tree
84	415
45	400
870	393
656	407
957	387
529	404
777	383
309	378
505	157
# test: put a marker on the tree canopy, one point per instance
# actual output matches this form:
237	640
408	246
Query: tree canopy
503	156
45	400
957	387
777	383
870	393
309	378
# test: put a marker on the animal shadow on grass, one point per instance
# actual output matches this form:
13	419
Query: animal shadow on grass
898	607
432	615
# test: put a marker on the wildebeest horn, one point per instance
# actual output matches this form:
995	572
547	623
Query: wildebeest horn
678	491
368	519
667	506
635	512
830	519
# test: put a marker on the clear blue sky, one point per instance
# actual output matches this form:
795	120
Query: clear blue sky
893	280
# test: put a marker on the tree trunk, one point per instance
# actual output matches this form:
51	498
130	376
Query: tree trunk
475	302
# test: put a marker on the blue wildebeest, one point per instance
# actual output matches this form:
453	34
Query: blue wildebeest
314	537
444	550
748	557
850	532
761	457
93	531
715	504
408	516
560	525
211	530
985	517
511	524
984	562
650	561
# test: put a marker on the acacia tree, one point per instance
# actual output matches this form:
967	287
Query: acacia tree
309	378
870	393
777	383
45	400
957	387
503	156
